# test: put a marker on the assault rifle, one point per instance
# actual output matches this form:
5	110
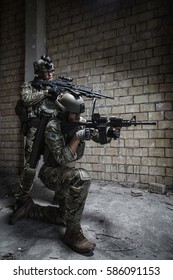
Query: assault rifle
63	84
110	128
107	128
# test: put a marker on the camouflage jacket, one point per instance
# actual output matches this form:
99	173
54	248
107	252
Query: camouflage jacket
30	95
34	98
57	148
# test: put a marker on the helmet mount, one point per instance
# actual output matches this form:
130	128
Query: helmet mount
44	64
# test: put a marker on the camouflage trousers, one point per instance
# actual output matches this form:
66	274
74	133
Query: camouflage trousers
71	186
28	174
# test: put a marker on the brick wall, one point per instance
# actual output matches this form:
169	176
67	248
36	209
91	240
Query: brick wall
11	77
125	49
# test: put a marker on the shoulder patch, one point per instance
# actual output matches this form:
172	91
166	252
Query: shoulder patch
51	136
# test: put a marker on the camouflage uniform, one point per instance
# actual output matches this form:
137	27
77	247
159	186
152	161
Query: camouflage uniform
33	99
63	146
60	175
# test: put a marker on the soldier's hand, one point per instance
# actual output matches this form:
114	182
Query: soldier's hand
54	90
113	132
84	134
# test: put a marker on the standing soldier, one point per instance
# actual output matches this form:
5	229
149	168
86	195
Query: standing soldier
33	96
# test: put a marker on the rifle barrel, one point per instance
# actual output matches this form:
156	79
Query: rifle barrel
88	92
126	123
144	123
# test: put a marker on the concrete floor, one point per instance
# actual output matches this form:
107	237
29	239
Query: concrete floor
123	225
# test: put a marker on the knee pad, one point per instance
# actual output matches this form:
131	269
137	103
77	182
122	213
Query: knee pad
76	177
84	175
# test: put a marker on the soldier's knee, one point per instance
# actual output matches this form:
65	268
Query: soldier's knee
77	177
84	175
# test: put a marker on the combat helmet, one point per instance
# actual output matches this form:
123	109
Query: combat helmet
44	64
70	103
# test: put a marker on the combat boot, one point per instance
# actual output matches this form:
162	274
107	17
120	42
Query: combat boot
34	211
75	239
21	210
47	214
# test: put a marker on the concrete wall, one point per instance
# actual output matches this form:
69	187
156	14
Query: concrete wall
12	51
123	48
35	34
23	40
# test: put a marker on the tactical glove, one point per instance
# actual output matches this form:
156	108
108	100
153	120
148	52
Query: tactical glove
84	134
53	92
113	133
